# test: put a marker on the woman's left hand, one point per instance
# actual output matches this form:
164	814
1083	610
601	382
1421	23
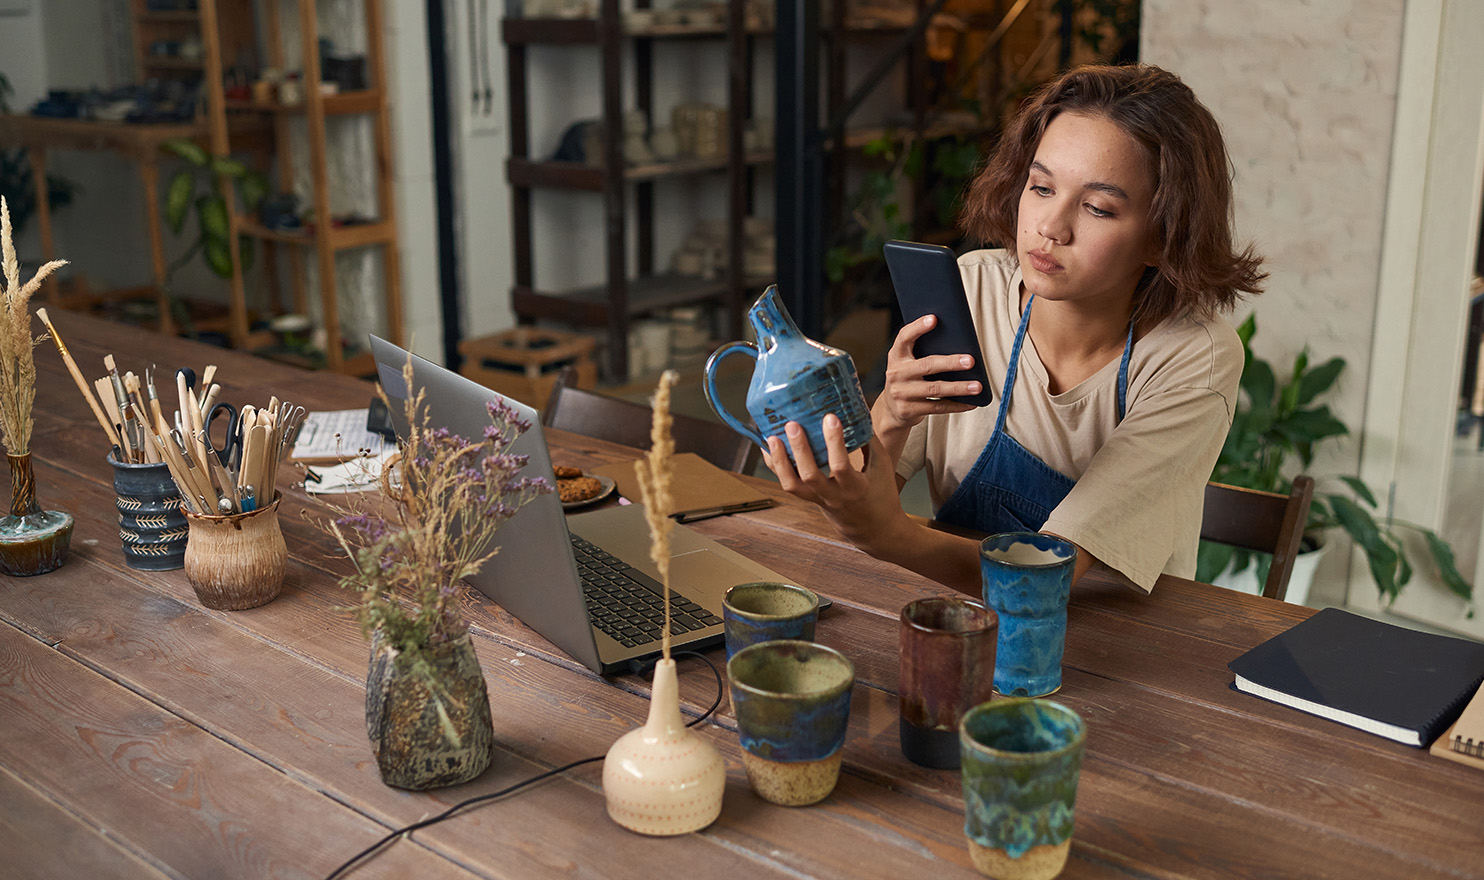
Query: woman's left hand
862	504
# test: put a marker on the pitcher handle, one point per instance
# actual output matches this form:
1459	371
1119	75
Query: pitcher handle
713	398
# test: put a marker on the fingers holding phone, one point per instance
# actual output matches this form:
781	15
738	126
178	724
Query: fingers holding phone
939	331
917	387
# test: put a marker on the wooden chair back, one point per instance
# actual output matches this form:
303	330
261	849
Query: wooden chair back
1269	522
592	414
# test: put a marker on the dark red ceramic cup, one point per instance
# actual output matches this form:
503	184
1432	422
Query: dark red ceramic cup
947	668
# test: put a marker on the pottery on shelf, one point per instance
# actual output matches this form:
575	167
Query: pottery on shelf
663	778
32	540
408	732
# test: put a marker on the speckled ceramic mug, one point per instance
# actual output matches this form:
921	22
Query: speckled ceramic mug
1027	580
766	611
792	702
1021	762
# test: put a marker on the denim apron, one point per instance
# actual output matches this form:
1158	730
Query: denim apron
1009	489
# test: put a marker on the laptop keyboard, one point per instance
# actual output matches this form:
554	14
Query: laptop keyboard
628	604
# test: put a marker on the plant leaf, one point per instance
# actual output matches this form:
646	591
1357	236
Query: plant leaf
178	199
1380	555
1442	555
1260	384
1211	559
1361	490
190	151
1319	380
254	187
219	257
214	221
228	166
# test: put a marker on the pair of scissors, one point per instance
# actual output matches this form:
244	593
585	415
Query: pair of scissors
230	452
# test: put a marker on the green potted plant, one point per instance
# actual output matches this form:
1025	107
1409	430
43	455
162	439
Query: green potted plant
1273	436
194	188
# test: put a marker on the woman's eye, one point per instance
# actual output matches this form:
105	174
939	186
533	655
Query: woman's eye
1099	212
1040	190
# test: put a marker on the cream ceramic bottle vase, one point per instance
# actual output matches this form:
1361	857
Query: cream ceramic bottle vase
795	380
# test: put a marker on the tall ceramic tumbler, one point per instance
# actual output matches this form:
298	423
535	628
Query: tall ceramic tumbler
947	668
1021	761
1027	580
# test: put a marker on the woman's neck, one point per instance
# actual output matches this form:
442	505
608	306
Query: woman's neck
1076	339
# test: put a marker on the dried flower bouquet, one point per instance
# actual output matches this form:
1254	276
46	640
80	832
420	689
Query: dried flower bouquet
414	544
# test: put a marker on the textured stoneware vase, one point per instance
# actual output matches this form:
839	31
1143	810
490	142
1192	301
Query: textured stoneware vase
1021	762
663	778
1027	580
795	380
792	702
237	561
947	668
152	525
407	731
32	540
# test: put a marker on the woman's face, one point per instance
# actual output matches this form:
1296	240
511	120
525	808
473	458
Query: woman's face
1084	230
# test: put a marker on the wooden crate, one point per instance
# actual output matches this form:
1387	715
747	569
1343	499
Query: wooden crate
524	362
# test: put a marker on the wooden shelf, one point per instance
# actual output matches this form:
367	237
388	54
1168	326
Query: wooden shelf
346	237
174	16
340	104
591	306
577	175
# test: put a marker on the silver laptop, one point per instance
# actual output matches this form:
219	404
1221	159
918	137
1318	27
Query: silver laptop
536	577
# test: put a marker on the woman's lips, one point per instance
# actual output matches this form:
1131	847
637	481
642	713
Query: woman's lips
1042	262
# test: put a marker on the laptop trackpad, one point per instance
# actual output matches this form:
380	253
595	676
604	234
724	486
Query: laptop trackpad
708	576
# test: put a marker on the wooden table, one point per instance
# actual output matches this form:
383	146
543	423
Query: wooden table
144	736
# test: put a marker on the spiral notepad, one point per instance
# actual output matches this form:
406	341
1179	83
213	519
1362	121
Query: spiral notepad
1467	734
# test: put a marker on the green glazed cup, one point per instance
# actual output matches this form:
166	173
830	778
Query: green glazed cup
792	702
1020	761
765	611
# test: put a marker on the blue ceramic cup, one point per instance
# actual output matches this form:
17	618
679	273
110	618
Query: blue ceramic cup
1027	580
765	611
1020	763
792	702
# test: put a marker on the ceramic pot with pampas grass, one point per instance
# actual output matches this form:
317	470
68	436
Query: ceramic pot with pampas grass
32	540
662	779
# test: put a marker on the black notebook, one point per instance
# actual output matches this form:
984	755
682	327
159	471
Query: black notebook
1379	677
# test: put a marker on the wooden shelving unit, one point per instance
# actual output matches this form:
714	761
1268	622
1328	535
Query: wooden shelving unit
322	239
623	295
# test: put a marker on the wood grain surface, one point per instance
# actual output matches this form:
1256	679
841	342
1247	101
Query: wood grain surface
145	736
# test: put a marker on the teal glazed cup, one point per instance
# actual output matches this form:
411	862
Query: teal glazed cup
765	611
1021	761
1027	579
947	667
792	702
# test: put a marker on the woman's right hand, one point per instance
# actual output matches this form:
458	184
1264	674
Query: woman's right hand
909	396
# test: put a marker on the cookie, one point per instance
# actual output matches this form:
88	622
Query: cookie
578	489
566	473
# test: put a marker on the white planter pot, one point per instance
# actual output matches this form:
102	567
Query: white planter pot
1304	566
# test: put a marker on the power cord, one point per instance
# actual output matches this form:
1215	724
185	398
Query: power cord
638	667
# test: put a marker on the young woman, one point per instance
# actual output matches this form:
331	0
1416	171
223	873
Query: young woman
1115	376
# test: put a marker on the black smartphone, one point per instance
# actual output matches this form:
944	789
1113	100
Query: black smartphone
379	419
927	282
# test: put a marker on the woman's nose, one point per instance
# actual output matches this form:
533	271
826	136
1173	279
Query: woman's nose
1054	225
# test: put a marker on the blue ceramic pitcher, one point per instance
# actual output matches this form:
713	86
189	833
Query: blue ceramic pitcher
795	380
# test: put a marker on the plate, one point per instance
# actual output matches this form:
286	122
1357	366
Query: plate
607	489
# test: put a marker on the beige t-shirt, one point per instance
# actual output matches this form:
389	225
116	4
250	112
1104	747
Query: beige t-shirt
1140	482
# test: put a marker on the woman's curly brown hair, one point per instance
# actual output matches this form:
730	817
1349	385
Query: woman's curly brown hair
1199	272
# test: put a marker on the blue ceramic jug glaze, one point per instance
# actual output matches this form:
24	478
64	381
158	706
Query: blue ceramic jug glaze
795	380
